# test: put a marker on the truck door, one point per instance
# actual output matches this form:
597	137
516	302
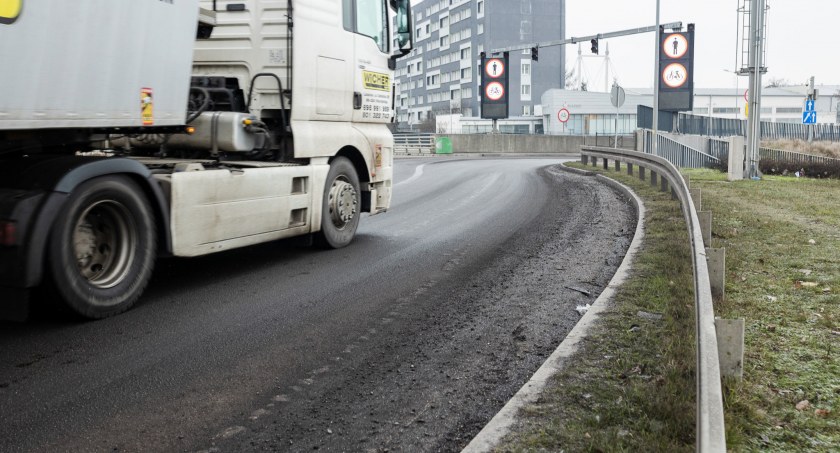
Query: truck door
372	45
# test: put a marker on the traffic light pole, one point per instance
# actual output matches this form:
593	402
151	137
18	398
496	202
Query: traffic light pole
575	40
657	75
594	39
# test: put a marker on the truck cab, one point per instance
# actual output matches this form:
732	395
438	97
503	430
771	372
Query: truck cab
245	122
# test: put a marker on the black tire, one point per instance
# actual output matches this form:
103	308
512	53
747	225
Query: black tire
340	209
102	248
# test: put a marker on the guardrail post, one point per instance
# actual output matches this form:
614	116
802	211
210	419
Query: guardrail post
716	260
705	218
730	342
629	169
584	159
618	165
697	198
653	178
594	161
663	185
641	173
606	164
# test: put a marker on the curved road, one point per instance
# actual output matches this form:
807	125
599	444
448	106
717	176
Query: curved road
413	336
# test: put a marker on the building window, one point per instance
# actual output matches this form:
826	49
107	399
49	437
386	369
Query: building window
465	53
526	68
526	110
727	110
526	90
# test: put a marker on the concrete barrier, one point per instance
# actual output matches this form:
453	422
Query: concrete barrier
526	144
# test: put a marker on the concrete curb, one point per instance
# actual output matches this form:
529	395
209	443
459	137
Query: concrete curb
493	433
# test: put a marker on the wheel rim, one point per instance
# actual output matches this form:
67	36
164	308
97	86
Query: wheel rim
343	202
103	242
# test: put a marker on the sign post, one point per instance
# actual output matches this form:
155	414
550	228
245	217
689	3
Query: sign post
617	97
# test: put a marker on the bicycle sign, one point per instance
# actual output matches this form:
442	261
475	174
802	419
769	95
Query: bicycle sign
494	91
675	75
563	115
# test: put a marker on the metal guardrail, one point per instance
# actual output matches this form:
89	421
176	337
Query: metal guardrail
711	435
414	144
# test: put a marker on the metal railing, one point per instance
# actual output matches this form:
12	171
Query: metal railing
688	123
711	435
794	157
719	149
609	140
679	154
414	144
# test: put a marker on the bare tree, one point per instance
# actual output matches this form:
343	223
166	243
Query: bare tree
776	82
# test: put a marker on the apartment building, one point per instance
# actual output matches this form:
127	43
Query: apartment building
442	76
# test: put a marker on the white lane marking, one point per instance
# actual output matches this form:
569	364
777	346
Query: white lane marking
418	172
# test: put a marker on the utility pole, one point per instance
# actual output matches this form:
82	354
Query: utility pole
811	97
755	70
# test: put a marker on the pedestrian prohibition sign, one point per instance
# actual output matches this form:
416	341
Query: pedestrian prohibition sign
494	68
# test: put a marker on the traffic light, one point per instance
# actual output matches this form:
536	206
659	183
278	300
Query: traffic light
535	53
594	47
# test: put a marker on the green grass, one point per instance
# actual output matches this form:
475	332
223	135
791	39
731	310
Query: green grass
633	389
792	344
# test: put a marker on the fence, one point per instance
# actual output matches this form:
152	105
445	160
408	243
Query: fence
687	123
719	149
793	157
414	144
678	154
609	141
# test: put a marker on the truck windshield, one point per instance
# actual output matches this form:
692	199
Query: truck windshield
372	20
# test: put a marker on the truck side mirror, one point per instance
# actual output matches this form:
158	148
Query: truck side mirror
405	40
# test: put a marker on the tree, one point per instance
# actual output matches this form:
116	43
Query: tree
776	82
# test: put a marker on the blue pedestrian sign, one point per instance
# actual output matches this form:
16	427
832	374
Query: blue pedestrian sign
809	117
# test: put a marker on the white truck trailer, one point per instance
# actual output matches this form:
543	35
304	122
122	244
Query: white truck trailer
131	129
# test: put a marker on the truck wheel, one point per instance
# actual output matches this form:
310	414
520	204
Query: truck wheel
340	209
102	249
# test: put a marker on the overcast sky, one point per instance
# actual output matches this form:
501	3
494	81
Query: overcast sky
803	39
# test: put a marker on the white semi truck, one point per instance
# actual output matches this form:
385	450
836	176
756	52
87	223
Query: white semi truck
131	129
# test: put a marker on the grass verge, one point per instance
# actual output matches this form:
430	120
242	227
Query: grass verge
782	240
631	386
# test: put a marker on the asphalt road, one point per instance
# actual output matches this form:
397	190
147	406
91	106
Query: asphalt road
411	338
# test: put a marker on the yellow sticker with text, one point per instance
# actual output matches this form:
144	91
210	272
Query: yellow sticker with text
377	81
147	107
10	10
